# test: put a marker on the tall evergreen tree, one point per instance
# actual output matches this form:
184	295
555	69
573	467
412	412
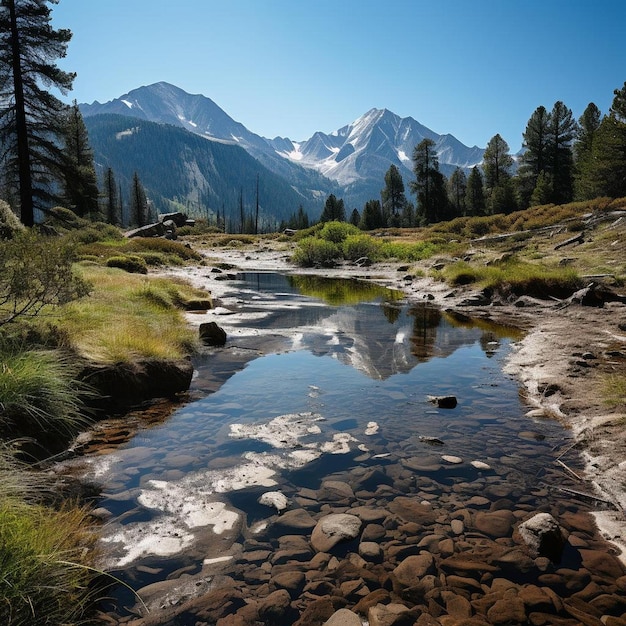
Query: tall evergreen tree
79	173
112	206
355	217
588	126
372	216
139	209
334	210
457	191
609	150
31	118
497	164
475	194
563	130
429	184
535	158
392	195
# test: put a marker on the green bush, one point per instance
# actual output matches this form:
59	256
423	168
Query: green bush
313	252
129	263
410	251
336	232
9	222
357	246
99	231
36	272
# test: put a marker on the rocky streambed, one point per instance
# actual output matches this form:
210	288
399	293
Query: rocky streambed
344	519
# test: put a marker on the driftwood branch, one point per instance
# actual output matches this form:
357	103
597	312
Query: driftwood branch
572	240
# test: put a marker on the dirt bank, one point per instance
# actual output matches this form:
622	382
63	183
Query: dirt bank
569	350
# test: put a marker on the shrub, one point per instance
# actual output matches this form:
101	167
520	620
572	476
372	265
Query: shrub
64	219
357	246
313	252
515	278
336	232
163	246
36	272
410	251
129	263
9	222
99	231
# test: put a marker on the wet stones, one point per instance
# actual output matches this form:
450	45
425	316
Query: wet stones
333	529
542	534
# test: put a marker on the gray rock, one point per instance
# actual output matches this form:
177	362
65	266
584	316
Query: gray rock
542	534
443	402
343	617
212	335
333	529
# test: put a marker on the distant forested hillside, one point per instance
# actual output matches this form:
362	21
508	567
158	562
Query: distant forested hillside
182	171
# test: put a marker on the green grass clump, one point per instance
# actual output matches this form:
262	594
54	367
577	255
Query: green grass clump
515	278
314	252
148	320
129	263
39	393
614	388
357	246
404	251
166	247
45	554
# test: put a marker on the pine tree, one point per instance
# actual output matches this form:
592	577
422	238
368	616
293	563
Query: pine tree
79	172
429	184
392	195
535	158
372	216
609	150
497	163
355	217
457	190
563	129
588	126
31	118
334	210
112	213
138	203
475	194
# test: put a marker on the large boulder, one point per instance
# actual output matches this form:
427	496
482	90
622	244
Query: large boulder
151	230
542	534
122	386
178	218
212	335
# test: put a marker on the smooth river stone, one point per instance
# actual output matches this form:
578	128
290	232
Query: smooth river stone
333	529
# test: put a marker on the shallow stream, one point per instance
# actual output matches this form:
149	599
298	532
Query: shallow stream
343	396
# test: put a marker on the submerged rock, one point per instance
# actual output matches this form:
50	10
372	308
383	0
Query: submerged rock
542	534
443	402
333	529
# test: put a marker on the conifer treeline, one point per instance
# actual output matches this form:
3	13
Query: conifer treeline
562	160
46	157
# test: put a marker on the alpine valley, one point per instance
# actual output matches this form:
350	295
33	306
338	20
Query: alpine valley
191	155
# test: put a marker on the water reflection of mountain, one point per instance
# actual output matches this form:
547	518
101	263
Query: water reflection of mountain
377	338
383	340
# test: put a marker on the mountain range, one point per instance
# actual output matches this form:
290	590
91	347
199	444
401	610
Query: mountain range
179	170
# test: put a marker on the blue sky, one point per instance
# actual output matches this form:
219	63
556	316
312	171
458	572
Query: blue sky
472	68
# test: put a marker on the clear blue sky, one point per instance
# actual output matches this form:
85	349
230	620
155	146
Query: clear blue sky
472	68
